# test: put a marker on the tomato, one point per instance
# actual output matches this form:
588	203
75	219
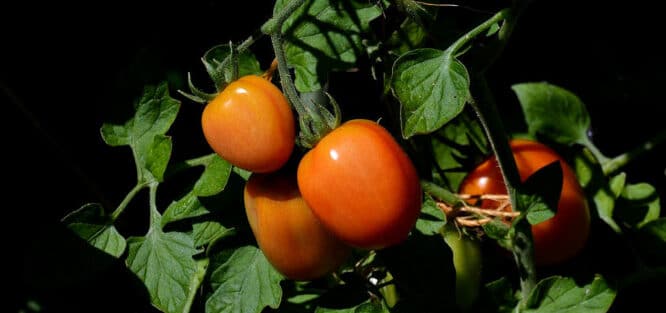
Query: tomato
287	232
559	238
361	185
250	124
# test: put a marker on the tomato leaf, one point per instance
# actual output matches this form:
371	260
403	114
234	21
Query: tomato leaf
638	204
553	112
212	60
540	193
157	158
187	207
91	223
432	87
144	132
245	283
562	295
211	182
432	219
163	261
325	35
209	231
214	178
604	192
366	307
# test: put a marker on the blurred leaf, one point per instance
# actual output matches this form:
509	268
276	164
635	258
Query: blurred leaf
144	132
553	112
562	295
638	204
540	193
163	261
93	225
503	299
605	199
431	219
325	35
432	87
367	307
213	58
245	283
209	231
408	36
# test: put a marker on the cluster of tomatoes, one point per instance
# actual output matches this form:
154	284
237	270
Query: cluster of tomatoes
356	188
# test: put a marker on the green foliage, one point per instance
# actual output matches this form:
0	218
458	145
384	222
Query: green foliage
432	86
163	261
553	112
92	224
245	283
195	256
325	35
561	294
540	193
432	218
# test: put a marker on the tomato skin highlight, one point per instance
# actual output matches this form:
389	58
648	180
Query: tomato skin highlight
251	125
287	232
361	185
559	238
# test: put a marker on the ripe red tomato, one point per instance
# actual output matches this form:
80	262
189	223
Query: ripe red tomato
287	232
250	124
558	238
361	185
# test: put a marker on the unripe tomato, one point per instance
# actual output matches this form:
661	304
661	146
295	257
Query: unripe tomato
558	238
287	232
250	124
361	185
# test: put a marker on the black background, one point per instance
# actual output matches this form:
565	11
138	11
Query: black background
67	68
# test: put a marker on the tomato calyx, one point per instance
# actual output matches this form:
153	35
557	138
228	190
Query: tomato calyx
316	121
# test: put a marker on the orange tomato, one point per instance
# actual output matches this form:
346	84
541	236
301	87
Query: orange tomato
559	238
361	185
250	124
287	232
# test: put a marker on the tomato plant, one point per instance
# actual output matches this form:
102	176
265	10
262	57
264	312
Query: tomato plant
361	185
559	238
250	124
287	232
343	182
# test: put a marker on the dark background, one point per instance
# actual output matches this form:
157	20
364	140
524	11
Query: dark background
65	69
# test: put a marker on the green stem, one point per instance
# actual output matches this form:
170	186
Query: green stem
155	216
130	195
458	44
523	245
441	194
616	163
601	158
285	78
